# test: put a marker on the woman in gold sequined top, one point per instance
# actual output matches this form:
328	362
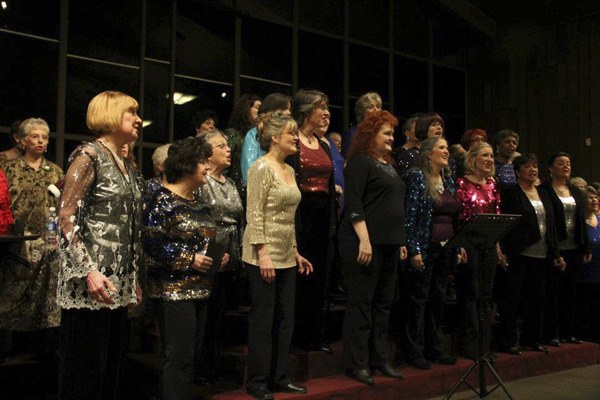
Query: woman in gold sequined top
270	255
176	233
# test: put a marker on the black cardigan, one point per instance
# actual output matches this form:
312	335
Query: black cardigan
526	232
581	236
294	161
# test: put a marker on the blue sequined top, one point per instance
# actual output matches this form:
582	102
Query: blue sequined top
590	272
419	211
174	230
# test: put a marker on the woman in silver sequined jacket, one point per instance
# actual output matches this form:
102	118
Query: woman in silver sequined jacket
99	219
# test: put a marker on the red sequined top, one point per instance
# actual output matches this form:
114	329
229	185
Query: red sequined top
6	218
474	198
316	169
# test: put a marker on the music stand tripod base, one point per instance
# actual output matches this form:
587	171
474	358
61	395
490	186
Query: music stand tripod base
481	234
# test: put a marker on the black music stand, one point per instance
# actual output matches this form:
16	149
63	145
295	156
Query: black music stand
481	234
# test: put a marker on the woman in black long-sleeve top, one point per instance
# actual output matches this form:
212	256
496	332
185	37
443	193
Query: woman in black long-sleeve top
573	243
370	238
531	247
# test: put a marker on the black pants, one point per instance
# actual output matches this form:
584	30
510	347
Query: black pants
588	318
313	244
524	298
182	328
270	327
208	361
370	296
467	292
561	297
93	344
427	300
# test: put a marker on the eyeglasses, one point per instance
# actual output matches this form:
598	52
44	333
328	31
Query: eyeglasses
220	146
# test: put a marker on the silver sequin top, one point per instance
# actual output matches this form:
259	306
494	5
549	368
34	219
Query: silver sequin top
98	222
570	208
225	207
270	214
539	249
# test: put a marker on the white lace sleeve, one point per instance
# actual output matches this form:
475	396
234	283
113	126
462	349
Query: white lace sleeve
76	262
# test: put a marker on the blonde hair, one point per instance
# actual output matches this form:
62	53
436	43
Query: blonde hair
427	147
471	157
273	124
158	159
105	111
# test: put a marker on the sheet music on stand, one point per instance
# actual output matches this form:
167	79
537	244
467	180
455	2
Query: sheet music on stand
483	230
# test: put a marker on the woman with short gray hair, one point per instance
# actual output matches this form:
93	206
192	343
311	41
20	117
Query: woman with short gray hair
30	295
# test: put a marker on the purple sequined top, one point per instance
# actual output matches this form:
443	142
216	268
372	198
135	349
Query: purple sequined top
474	198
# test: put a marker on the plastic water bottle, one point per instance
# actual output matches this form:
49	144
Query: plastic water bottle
50	231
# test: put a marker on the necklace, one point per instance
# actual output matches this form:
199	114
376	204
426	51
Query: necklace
308	138
119	160
439	186
563	190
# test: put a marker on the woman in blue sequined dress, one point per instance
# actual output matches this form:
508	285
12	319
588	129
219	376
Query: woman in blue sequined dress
431	218
176	232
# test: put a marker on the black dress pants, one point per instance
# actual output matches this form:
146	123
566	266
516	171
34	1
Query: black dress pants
588	311
182	328
427	301
93	344
370	296
468	291
222	291
313	244
270	327
525	290
561	297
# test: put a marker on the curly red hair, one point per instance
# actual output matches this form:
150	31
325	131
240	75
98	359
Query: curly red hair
369	127
468	137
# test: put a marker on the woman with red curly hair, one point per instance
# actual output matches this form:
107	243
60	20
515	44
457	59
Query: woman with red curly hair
371	240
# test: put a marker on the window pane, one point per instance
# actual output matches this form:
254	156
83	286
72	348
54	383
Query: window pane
156	103
448	90
206	95
410	86
369	21
327	15
267	9
451	37
38	17
106	30
70	146
337	119
29	79
85	80
320	65
262	89
266	50
411	27
158	29
368	71
205	42
147	167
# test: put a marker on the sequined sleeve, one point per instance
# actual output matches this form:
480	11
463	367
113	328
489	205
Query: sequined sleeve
6	218
356	176
78	180
159	220
475	199
259	183
416	210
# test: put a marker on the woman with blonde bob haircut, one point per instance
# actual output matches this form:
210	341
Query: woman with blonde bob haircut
99	220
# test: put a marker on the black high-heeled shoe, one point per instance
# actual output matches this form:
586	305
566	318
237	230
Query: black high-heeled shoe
540	348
